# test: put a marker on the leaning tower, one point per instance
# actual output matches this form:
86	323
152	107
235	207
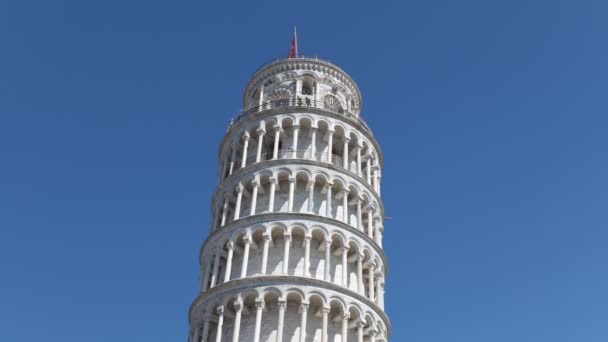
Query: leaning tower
294	251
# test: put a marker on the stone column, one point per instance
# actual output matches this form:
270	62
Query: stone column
206	331
359	217
287	240
313	143
381	293
345	153
345	205
259	306
247	241
330	136
329	199
296	131
224	212
254	195
266	238
220	323
232	158
360	327
238	307
369	169
324	325
197	334
306	272
358	149
258	156
345	327
370	221
375	182
371	280
377	230
372	336
216	265
216	214
304	315
230	247
345	266
273	186
292	186
282	306
277	136
245	147
327	260
239	197
360	287
205	276
311	195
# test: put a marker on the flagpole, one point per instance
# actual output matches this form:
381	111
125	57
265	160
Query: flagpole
295	35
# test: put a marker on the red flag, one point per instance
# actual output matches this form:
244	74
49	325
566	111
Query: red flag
293	52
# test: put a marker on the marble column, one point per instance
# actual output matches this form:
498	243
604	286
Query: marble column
327	260
220	324
330	136
296	131
230	246
360	286
245	147
273	186
238	308
344	334
277	136
311	195
324	325
247	241
292	186
258	156
216	265
259	306
266	238
345	153
313	143
304	315
239	198
287	244
282	306
306	272
254	195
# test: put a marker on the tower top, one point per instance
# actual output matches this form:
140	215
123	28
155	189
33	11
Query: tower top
309	78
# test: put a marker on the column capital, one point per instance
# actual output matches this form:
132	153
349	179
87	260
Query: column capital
273	180
266	237
240	187
277	129
292	179
259	304
247	239
326	310
346	138
282	303
261	131
304	306
360	324
230	245
307	238
287	238
246	136
238	306
346	316
331	132
220	310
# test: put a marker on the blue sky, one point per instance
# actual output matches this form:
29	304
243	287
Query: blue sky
492	117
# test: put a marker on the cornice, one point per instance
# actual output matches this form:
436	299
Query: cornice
262	114
249	221
265	164
238	285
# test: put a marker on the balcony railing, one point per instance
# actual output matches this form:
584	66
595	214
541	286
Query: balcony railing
308	155
302	103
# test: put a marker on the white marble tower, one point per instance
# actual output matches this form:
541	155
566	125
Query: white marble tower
295	245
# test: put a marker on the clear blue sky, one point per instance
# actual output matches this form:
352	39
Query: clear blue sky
492	116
